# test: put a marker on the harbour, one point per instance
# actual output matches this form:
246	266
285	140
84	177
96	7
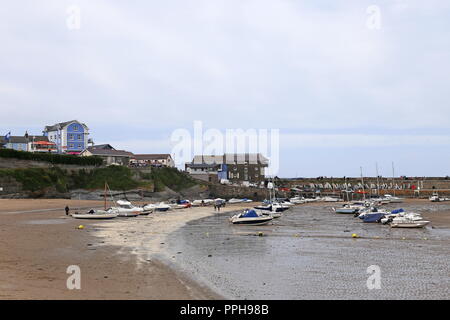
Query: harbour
308	253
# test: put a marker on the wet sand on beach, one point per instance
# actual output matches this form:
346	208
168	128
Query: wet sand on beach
37	247
193	253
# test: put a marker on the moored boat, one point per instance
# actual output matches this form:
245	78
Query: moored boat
251	217
96	214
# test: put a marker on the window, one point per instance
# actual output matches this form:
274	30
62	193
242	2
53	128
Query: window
71	146
75	128
79	137
70	136
79	146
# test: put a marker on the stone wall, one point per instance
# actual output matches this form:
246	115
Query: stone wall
228	192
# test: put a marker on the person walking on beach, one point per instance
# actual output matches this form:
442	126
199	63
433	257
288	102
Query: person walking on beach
67	210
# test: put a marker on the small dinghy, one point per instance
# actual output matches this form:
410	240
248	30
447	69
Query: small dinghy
96	214
349	209
251	217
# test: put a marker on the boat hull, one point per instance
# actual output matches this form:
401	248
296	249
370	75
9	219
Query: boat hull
253	222
94	216
346	211
414	224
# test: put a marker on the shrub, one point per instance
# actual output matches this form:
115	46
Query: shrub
51	157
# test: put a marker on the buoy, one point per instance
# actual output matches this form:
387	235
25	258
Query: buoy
80	227
354	235
403	238
260	234
425	238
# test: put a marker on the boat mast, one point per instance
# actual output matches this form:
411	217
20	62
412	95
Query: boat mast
104	195
378	181
362	180
393	177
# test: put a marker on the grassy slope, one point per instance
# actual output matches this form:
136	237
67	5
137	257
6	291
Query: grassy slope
118	178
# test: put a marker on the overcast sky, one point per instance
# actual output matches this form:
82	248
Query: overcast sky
342	92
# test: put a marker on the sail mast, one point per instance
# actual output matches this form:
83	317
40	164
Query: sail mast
393	177
362	180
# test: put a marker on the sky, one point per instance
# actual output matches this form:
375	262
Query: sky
348	84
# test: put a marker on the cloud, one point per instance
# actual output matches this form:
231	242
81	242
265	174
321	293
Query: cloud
288	65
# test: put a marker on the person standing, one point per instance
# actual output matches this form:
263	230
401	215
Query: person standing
67	210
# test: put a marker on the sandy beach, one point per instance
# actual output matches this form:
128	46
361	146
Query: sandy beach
144	257
39	242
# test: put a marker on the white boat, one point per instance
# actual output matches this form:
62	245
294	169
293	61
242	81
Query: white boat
297	200
392	199
407	222
96	214
286	203
279	207
331	199
181	204
126	209
309	200
234	200
251	217
158	207
349	209
203	202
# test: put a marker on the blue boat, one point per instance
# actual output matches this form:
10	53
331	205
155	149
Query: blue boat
373	217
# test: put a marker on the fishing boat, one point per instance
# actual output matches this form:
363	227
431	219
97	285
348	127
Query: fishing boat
251	217
96	214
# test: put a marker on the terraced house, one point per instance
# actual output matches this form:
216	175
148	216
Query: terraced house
238	168
69	137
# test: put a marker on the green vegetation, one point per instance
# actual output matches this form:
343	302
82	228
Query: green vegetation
169	177
51	157
117	177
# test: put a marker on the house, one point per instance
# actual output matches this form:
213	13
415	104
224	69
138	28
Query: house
69	137
109	155
236	168
30	143
19	143
153	160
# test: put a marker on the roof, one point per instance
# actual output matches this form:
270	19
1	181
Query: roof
231	158
202	165
109	152
155	156
61	125
103	146
23	139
